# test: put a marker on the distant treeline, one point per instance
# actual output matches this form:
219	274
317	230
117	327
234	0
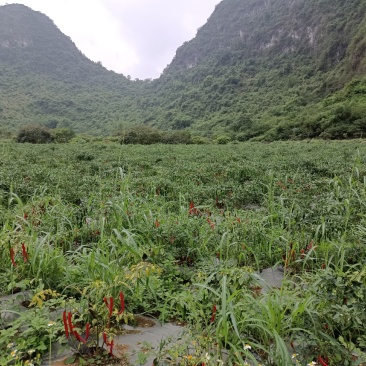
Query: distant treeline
146	135
140	134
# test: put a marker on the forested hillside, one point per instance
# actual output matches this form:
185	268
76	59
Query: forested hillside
45	79
275	67
263	69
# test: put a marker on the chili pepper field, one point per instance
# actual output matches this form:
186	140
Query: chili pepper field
95	235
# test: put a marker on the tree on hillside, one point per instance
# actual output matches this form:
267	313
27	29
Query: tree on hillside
34	134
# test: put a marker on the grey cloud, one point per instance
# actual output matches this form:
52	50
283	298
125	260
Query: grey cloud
156	28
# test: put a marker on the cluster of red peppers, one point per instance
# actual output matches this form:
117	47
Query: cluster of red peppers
24	254
109	344
69	328
194	210
308	248
110	304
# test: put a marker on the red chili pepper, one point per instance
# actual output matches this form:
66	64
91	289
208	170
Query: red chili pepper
111	348
105	339
322	361
71	328
64	318
109	306
211	224
310	246
87	331
78	337
122	301
12	257
191	207
213	313
157	223
24	253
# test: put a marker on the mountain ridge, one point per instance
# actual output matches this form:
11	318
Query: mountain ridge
254	70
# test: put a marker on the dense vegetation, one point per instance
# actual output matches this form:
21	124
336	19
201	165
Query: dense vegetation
277	69
38	134
258	69
181	232
45	79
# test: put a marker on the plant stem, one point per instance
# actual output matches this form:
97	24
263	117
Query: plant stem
50	350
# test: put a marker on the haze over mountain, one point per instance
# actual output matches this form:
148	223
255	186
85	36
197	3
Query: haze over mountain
257	69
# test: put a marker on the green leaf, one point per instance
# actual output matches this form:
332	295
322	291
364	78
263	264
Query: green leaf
70	360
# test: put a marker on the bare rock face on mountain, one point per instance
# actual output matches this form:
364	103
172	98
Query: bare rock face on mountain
323	30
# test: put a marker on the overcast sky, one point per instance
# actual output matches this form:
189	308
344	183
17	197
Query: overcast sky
132	37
